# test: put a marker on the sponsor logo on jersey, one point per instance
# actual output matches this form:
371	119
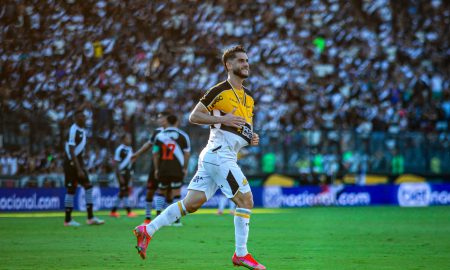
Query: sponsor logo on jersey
244	182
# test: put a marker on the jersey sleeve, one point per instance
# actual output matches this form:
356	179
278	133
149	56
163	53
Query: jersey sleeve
156	145
153	136
211	98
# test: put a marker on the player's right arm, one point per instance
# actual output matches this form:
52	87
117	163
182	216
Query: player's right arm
201	116
141	150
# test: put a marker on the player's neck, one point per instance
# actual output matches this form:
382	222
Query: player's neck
235	82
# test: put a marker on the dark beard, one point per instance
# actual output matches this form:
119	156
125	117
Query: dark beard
238	73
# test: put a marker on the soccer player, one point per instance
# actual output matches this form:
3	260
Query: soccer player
171	152
152	182
228	109
74	172
122	168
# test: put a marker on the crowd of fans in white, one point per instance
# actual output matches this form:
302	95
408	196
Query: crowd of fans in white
315	65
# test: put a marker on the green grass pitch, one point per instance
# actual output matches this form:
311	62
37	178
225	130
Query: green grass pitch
309	238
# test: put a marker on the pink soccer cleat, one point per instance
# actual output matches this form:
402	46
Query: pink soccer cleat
132	215
247	261
147	220
143	238
114	214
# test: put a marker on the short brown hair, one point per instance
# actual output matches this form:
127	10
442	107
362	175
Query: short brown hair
230	53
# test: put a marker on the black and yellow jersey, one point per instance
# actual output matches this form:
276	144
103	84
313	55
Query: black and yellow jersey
222	99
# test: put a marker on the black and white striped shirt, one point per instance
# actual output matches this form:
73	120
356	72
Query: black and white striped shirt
172	143
77	138
122	156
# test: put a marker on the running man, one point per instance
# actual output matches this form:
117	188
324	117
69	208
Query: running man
228	109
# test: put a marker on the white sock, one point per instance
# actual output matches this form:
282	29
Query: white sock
170	215
241	228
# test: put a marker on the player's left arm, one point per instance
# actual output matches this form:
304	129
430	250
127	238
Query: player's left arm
141	150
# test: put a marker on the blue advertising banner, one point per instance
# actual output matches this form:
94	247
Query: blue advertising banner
405	195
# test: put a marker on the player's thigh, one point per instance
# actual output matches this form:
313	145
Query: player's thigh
231	179
176	183
84	180
243	200
127	177
203	182
70	177
164	182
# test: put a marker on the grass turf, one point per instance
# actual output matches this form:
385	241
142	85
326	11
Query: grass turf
309	238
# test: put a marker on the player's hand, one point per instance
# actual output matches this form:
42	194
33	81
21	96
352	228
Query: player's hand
133	158
232	120
184	172
255	139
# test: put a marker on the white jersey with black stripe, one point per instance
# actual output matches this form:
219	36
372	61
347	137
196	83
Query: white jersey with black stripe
123	155
77	138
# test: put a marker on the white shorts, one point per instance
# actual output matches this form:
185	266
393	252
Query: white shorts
217	170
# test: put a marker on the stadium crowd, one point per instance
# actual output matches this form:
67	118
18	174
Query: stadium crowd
316	65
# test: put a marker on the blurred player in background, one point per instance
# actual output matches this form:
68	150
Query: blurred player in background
171	152
228	108
74	172
152	182
223	201
123	171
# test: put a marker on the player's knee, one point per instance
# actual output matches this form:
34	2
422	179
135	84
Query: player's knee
247	203
194	200
244	200
192	207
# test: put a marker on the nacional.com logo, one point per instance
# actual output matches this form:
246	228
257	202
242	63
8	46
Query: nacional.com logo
272	197
414	194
